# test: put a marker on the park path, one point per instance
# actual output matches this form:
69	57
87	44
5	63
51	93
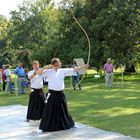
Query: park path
13	127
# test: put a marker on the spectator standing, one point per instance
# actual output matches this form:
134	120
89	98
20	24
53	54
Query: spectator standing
20	72
3	77
108	70
7	72
75	77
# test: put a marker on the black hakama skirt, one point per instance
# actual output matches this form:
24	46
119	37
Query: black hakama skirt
56	116
36	104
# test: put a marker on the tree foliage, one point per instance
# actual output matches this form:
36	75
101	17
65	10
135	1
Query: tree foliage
45	31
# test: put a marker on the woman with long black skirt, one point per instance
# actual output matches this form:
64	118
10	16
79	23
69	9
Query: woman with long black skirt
37	97
56	116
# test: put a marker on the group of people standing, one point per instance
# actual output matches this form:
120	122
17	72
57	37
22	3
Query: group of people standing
52	110
7	78
22	77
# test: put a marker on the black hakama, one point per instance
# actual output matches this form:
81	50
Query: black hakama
56	116
36	104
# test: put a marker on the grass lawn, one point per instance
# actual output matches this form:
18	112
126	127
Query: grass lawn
116	109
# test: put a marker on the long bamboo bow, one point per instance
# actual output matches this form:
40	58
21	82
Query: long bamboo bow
88	40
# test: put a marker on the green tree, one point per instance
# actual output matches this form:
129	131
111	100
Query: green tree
113	28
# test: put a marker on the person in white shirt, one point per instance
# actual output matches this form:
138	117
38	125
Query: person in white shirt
37	97
55	115
75	77
7	72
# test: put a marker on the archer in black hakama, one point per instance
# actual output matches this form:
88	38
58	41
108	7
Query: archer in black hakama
37	98
56	116
36	104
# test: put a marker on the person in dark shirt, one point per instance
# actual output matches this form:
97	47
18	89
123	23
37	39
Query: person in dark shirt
3	77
